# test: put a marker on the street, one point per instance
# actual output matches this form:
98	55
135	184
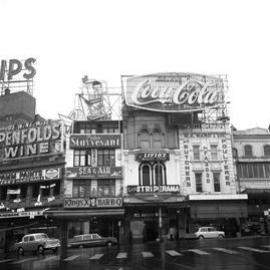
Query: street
193	254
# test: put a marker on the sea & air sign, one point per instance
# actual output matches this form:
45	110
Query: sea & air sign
154	189
94	172
173	92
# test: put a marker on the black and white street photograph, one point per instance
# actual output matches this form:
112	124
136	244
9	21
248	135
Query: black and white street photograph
134	135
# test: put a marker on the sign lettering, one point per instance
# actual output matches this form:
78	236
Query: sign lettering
154	189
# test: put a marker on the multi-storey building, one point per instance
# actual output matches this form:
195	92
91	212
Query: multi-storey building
31	168
252	159
93	200
178	170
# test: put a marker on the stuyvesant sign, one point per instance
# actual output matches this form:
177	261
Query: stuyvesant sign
29	175
173	92
95	141
94	172
154	189
92	202
153	156
30	139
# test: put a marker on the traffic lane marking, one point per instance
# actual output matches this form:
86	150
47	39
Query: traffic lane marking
23	260
147	254
96	257
226	250
198	251
71	258
254	249
121	255
173	253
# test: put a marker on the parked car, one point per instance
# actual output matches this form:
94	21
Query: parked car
37	242
209	232
91	240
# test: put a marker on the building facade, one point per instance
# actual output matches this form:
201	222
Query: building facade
252	159
178	167
93	200
31	168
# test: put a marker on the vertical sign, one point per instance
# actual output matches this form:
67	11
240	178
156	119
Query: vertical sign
206	164
225	160
187	163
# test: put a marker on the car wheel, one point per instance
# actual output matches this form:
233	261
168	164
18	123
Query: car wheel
40	250
109	244
220	236
201	237
20	251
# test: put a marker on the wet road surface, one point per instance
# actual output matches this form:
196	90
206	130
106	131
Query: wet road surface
248	254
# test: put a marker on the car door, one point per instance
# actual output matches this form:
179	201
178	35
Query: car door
24	242
31	245
97	240
204	232
87	240
212	232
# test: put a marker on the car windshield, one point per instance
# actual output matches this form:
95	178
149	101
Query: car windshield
41	236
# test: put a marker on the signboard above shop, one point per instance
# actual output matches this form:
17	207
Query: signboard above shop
152	156
154	189
93	202
29	176
30	140
173	92
94	172
82	141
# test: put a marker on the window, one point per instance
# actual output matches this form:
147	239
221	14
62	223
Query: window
81	188
82	158
35	190
106	157
144	140
214	152
216	177
254	170
266	149
198	179
145	173
157	140
45	190
196	152
159	174
106	188
26	239
23	191
248	150
3	193
56	188
31	238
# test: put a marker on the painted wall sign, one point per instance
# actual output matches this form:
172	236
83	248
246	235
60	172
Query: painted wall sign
206	164
92	202
95	141
30	140
173	92
12	68
29	175
154	189
157	156
94	172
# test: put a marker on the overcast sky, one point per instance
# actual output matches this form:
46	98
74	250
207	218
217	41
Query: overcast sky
106	39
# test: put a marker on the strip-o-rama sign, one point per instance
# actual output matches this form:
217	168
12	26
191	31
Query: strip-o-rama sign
173	92
30	139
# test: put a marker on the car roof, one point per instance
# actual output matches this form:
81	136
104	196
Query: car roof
33	234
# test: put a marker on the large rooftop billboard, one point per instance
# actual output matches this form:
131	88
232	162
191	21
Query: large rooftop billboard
173	92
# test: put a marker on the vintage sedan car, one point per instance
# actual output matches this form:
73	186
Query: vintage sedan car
209	232
37	242
91	240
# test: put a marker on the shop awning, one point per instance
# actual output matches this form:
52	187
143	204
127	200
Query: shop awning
213	210
83	213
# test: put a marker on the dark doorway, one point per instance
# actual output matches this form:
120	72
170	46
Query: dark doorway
150	230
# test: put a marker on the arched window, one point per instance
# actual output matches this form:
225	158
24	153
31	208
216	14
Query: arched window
266	149
248	150
144	140
157	140
159	174
145	174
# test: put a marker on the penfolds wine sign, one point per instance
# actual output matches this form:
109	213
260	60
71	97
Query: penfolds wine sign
173	92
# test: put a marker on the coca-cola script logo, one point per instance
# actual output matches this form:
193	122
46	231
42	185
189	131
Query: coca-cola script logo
173	93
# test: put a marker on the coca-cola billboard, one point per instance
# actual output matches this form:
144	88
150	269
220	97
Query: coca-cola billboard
173	92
